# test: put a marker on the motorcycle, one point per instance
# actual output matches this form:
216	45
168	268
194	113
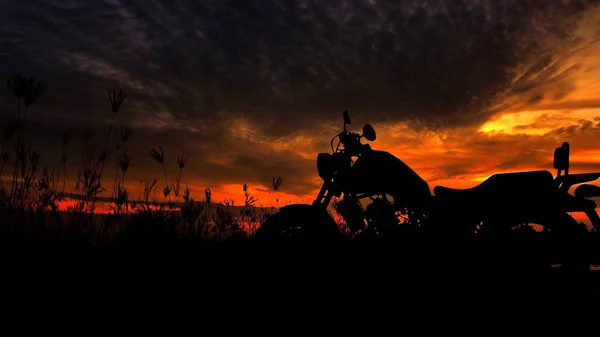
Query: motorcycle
400	198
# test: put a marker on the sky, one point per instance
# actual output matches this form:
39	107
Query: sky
254	89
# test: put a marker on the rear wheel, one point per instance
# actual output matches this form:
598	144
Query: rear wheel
299	223
563	240
569	239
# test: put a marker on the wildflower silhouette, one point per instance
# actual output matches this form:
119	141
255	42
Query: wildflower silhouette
17	85
115	99
32	93
276	183
182	159
122	160
126	133
249	200
159	156
28	90
207	195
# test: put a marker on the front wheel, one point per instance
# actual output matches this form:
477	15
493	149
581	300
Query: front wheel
299	223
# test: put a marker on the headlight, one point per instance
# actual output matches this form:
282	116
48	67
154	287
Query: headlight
325	166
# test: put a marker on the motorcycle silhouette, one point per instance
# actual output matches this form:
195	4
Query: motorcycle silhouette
400	198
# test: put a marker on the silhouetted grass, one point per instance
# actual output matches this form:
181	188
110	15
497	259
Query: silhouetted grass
30	205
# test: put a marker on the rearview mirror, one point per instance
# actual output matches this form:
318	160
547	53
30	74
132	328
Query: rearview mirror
561	158
347	117
369	132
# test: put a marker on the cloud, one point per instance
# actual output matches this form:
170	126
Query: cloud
431	62
255	88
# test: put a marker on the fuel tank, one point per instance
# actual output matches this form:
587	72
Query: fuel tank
380	172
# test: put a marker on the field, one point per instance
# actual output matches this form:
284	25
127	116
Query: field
342	290
151	271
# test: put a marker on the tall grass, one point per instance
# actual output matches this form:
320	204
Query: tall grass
29	205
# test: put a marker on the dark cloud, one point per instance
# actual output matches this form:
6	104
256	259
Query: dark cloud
436	62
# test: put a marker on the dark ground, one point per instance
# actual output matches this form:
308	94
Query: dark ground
344	290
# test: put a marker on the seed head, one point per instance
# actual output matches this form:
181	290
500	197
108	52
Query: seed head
157	155
116	99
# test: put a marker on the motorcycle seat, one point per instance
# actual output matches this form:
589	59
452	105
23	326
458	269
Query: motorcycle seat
502	184
455	192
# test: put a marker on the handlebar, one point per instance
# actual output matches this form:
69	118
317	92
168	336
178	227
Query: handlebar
350	141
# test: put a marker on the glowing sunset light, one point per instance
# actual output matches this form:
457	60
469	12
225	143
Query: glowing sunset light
516	123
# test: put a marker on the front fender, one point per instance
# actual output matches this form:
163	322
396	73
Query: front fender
314	222
307	211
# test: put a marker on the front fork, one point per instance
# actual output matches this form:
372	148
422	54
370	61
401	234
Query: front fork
594	219
325	195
